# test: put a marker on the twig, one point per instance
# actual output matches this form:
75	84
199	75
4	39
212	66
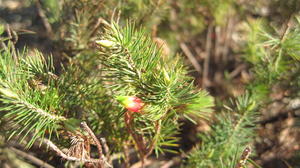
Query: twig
191	57
172	162
15	37
105	147
137	138
157	131
99	146
39	111
177	159
207	57
217	44
113	16
227	39
126	156
117	156
44	18
244	157
285	31
237	70
141	164
63	155
13	49
8	32
286	28
2	45
33	159
98	23
282	39
253	163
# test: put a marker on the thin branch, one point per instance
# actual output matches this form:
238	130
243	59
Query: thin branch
237	71
141	164
137	138
177	159
172	162
217	44
13	49
117	156
236	129
244	157
63	155
2	45
105	147
205	80
98	23
227	39
44	19
98	144
285	31
191	57
39	110
286	28
126	156
152	145
31	158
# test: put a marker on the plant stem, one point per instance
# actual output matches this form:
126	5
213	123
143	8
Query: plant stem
63	155
137	138
99	146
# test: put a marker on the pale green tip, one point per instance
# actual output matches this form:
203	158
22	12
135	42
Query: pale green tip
105	43
8	93
124	100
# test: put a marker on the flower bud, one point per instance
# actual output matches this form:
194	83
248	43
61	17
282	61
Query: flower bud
131	103
105	43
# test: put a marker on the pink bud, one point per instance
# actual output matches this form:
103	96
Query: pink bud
131	103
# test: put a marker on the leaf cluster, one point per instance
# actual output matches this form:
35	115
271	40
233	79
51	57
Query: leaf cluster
36	103
273	55
232	131
30	100
133	66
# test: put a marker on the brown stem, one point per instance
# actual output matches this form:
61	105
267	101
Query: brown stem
10	36
143	151
126	156
32	158
139	141
98	144
44	19
151	147
243	159
191	57
105	147
287	27
286	30
206	81
63	155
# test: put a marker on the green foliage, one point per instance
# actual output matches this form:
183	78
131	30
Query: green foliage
273	54
1	29
29	98
147	12
218	9
291	46
53	9
232	131
133	66
36	103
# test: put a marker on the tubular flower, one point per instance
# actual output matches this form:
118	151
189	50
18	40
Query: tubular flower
131	103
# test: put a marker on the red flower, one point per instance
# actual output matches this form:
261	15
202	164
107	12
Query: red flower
131	103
